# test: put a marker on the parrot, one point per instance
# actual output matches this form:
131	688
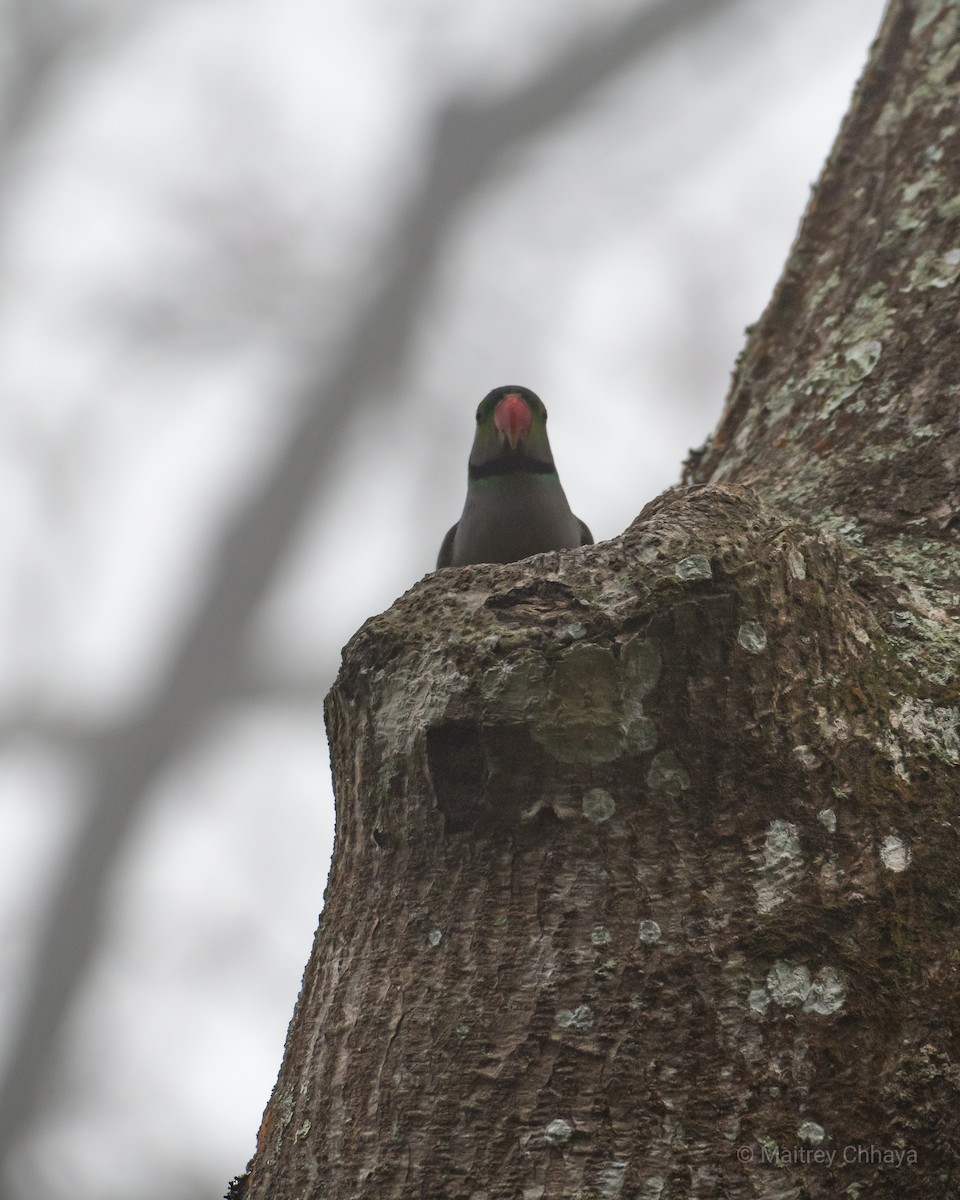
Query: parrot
515	505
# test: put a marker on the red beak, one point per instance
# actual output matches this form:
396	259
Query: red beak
512	419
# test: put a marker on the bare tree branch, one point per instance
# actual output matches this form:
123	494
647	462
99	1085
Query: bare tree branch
44	38
67	735
469	141
73	735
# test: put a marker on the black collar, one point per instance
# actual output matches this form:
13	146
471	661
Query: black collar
514	464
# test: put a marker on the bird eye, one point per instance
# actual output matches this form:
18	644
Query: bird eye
478	415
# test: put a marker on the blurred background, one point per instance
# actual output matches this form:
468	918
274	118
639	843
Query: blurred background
258	263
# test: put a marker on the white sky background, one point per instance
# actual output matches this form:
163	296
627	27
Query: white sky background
200	204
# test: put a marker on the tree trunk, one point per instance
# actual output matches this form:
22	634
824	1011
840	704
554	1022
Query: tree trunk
647	868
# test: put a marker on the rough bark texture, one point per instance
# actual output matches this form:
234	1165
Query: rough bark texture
647	870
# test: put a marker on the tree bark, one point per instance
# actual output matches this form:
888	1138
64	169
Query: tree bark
647	869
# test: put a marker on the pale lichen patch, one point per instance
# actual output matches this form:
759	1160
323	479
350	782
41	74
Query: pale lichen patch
580	1017
806	757
414	696
828	819
611	1178
895	854
780	861
781	842
833	727
510	688
619	593
695	566
594	709
582	720
650	932
863	356
640	731
752	637
640	664
571	632
926	12
598	806
827	992
941	74
812	1132
936	728
949	210
667	775
890	746
790	985
850	532
797	564
558	1132
934	270
758	1001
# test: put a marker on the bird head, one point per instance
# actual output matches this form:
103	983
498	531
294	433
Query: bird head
511	428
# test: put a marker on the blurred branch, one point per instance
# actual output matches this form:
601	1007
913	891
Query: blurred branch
43	37
64	735
305	690
203	672
70	735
